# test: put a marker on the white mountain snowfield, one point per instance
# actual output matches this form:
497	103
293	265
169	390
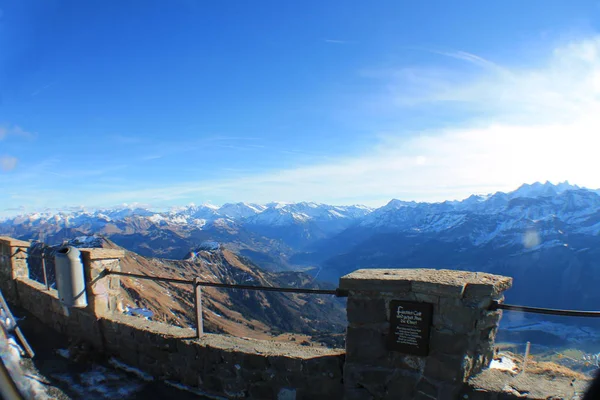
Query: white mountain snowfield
545	208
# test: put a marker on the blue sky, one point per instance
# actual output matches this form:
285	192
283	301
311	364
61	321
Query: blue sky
167	103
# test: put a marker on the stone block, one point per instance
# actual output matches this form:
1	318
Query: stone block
283	363
365	345
251	361
479	291
447	368
356	393
285	393
261	391
488	334
401	387
213	383
366	311
372	378
269	375
161	356
455	318
252	375
449	343
186	348
427	298
396	360
129	355
321	388
114	282
147	361
101	254
375	280
489	319
235	388
327	365
427	387
423	396
437	289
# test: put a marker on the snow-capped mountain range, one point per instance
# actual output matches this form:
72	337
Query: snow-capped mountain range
542	234
277	214
547	208
396	213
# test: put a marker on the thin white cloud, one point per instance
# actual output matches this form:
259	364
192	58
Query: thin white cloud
151	157
336	41
537	123
469	57
41	89
513	125
14	130
8	163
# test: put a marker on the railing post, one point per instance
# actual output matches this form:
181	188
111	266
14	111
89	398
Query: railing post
198	308
13	266
527	347
44	271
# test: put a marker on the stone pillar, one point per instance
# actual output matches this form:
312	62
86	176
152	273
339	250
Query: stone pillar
461	334
13	265
103	293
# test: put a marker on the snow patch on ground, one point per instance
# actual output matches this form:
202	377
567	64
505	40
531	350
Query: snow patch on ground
100	383
64	353
129	369
504	364
141	312
11	353
195	391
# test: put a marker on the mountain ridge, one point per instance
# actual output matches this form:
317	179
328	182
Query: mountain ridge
538	229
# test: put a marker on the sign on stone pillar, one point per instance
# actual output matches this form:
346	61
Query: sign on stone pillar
410	324
418	333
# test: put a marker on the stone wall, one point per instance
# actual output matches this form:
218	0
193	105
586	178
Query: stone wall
219	365
13	265
226	365
461	337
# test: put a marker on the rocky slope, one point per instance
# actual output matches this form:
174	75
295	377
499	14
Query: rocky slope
247	313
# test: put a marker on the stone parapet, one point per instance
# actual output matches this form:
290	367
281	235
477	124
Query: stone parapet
13	264
226	365
460	339
103	292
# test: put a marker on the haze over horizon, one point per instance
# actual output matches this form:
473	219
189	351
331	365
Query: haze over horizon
166	104
7	214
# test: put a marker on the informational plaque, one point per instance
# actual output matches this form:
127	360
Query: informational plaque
410	323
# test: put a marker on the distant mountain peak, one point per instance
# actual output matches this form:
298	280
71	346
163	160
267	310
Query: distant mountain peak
277	204
539	189
395	203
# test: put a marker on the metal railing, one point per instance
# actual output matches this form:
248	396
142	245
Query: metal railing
42	256
548	311
197	285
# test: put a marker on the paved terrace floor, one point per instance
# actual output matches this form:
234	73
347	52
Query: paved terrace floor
89	377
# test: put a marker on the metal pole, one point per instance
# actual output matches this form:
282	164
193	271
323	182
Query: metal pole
198	308
16	329
337	292
44	270
527	348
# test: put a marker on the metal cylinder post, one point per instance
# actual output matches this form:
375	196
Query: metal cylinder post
198	308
